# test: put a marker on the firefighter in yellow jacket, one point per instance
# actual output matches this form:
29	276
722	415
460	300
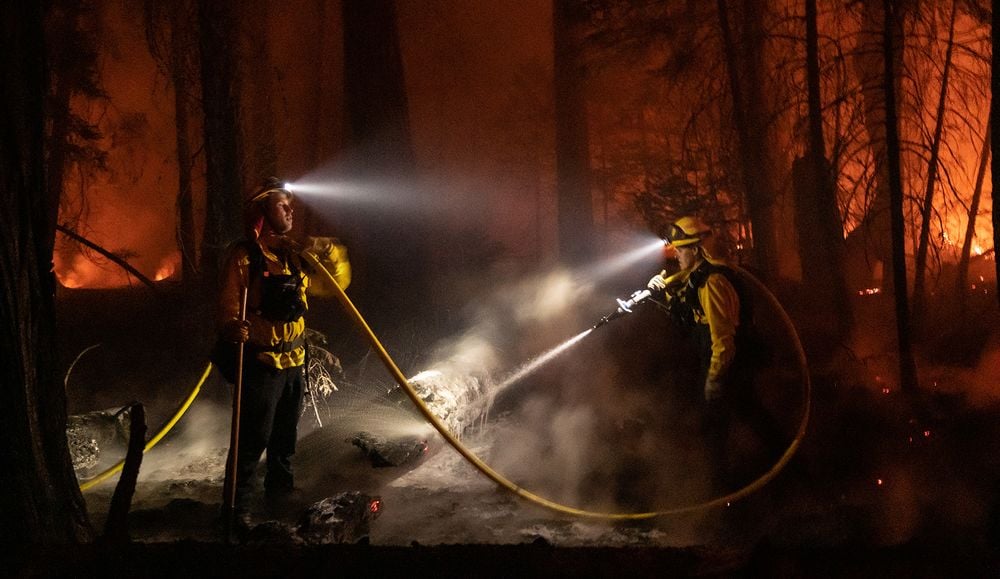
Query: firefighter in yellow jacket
709	298
270	266
704	297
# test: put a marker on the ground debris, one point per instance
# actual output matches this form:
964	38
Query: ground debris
92	435
342	518
383	452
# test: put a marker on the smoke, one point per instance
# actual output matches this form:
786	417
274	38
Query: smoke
588	424
197	445
548	448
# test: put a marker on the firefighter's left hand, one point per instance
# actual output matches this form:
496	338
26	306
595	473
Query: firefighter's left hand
657	282
325	247
713	390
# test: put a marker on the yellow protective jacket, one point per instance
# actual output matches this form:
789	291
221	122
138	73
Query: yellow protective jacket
717	311
279	344
720	305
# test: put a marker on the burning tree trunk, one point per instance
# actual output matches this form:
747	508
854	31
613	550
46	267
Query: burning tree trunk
744	65
41	502
818	223
920	267
907	366
217	20
575	207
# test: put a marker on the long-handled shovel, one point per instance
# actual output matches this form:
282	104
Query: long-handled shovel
234	433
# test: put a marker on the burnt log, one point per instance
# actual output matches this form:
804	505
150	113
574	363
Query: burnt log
342	518
383	452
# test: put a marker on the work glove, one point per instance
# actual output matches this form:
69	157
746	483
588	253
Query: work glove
328	248
713	390
657	282
236	331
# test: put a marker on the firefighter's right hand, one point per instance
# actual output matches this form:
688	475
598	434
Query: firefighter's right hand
657	282
236	331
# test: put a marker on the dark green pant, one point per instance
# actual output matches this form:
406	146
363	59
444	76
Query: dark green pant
270	407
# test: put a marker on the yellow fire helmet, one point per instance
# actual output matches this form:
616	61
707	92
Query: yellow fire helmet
688	230
268	186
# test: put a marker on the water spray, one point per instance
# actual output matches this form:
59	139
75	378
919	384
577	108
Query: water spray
543	359
624	307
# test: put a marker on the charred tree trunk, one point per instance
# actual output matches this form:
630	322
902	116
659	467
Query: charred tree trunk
871	241
116	526
574	203
390	238
72	33
41	502
920	265
183	43
217	20
259	135
818	223
171	35
744	54
994	143
962	277
907	366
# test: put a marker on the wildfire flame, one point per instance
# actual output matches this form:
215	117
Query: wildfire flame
165	271
78	271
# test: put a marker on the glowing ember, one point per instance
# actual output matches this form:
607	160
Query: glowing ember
375	506
878	482
869	291
885	390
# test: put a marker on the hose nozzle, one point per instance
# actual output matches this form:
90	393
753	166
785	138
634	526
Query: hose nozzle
624	307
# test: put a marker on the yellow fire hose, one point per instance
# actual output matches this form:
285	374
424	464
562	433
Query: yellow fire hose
91	483
542	501
485	468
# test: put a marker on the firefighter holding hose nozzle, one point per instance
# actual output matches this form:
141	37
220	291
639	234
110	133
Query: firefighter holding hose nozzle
263	298
708	297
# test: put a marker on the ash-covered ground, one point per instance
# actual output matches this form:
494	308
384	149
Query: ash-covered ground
436	498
